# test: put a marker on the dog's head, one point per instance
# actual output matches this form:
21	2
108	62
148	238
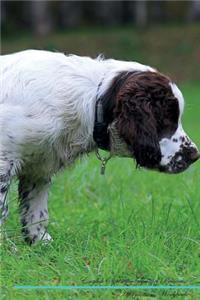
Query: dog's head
146	112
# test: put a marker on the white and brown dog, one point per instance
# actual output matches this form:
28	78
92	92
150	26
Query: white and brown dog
54	108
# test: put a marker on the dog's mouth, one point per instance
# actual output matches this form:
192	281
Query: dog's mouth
180	162
178	168
175	169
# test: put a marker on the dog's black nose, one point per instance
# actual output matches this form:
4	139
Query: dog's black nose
194	156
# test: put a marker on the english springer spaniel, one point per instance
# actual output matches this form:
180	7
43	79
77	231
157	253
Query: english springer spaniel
54	108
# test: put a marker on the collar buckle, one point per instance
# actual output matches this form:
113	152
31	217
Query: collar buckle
103	160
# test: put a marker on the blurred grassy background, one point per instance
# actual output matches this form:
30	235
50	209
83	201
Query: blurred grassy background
173	49
163	34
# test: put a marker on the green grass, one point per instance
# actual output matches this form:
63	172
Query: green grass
126	226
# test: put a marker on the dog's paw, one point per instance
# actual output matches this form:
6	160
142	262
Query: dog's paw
46	238
42	237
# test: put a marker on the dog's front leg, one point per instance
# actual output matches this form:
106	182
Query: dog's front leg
33	197
5	179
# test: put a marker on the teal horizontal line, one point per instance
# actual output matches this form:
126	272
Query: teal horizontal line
96	287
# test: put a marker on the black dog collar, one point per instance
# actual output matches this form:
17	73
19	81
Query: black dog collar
100	132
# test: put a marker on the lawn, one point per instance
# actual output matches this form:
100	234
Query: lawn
129	227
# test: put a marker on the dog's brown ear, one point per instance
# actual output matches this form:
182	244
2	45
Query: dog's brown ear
137	126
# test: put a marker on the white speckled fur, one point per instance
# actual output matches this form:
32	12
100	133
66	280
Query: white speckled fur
170	146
